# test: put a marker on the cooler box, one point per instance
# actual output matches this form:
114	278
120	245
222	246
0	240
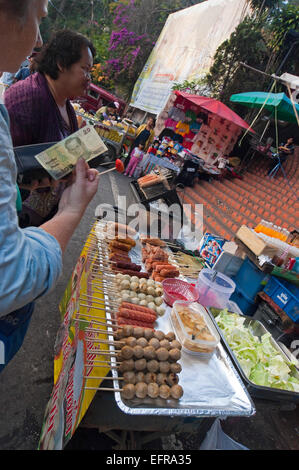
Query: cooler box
285	295
246	304
250	279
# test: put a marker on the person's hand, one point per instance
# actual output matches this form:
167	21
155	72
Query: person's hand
82	188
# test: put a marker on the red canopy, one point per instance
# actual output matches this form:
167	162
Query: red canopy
215	107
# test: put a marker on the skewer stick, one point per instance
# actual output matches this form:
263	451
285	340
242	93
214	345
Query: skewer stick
106	378
104	353
95	322
103	365
108	304
96	299
88	316
95	331
112	343
101	389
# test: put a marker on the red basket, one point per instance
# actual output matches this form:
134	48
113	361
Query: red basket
174	289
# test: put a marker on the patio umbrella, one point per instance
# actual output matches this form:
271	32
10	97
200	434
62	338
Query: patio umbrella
215	107
271	102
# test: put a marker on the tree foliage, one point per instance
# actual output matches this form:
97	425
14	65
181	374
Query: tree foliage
261	42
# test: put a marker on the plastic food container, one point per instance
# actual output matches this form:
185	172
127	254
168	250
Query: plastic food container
194	328
175	289
214	289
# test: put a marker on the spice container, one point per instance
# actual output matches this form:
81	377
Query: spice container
194	328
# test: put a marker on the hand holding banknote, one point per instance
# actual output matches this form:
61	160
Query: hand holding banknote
60	159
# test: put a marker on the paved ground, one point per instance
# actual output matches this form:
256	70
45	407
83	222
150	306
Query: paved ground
26	383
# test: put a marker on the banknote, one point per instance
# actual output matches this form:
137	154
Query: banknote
61	159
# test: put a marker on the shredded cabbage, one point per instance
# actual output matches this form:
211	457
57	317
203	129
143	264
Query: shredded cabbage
259	359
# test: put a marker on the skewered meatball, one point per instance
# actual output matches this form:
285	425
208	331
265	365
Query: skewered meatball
119	357
138	352
153	390
140	364
164	391
170	336
138	332
119	334
142	342
162	354
172	379
148	333
140	377
175	345
149	353
159	335
128	330
175	367
128	391
175	354
141	390
161	379
164	367
150	377
127	366
130	377
165	344
153	366
155	343
131	341
176	392
127	352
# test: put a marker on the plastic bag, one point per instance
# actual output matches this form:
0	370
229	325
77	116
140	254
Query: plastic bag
216	439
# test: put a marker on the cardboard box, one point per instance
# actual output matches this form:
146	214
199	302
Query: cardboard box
254	243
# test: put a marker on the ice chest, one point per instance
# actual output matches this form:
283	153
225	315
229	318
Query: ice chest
285	295
250	279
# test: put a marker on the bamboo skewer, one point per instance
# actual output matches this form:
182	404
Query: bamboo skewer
106	378
103	353
89	316
95	322
98	332
103	365
112	343
102	303
101	389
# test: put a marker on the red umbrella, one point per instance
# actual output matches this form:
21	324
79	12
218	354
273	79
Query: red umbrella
215	107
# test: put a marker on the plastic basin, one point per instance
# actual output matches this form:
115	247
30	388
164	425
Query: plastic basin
175	289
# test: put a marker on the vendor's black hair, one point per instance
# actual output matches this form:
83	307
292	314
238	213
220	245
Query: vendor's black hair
64	50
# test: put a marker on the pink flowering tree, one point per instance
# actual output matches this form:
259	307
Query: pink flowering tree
129	47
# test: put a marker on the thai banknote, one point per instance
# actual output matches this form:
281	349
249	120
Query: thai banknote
61	159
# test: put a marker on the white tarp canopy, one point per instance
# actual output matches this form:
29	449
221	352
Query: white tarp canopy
185	49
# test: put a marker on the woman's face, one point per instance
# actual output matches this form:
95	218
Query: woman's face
150	123
18	37
76	79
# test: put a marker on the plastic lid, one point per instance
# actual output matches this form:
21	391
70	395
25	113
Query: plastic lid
216	280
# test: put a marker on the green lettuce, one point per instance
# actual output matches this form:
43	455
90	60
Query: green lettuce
260	360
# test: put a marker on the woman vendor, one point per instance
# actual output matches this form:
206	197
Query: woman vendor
40	110
108	112
31	258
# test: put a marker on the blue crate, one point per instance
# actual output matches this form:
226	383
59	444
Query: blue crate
245	303
250	279
285	295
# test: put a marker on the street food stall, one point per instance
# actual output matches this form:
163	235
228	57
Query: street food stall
207	128
137	340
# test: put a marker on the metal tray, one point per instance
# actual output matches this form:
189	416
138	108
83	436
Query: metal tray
258	391
212	387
